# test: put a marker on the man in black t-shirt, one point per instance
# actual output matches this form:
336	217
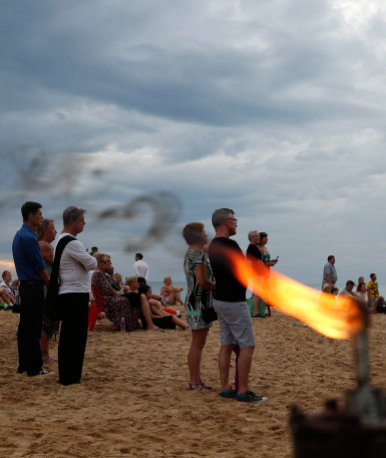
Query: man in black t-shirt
232	309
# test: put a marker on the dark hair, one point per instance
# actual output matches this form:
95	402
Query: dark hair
372	274
350	282
360	285
30	207
330	257
4	274
139	255
143	289
142	280
262	235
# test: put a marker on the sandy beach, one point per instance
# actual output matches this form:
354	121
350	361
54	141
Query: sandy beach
133	399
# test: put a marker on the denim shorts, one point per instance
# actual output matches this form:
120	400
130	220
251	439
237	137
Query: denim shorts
235	323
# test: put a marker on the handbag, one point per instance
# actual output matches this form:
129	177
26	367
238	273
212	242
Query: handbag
209	314
51	303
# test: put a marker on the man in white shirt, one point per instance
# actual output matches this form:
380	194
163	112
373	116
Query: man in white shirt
74	266
141	269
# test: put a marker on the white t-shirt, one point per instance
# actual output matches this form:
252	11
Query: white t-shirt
141	269
74	266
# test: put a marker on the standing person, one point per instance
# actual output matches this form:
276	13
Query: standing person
200	283
32	274
254	253
141	269
46	234
372	289
266	258
232	309
330	276
73	298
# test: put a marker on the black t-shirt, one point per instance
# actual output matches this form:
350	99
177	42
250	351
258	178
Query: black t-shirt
228	289
254	252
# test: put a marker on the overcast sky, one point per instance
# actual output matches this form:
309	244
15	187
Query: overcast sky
152	114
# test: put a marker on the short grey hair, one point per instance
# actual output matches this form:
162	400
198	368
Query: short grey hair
71	213
251	234
219	215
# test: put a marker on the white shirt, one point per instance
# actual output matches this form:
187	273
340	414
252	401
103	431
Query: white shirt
74	266
141	269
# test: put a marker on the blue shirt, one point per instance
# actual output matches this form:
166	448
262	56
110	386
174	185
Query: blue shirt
27	255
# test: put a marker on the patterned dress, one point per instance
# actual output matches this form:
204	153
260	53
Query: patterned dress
197	298
116	307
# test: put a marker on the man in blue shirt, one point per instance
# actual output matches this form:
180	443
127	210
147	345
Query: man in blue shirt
31	271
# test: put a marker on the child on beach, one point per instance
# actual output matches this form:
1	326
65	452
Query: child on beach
170	293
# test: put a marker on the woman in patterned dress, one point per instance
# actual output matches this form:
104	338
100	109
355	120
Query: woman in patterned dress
200	284
116	306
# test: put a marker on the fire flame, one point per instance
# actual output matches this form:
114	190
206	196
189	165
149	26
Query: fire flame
337	317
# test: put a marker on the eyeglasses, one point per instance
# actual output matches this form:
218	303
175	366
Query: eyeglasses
233	219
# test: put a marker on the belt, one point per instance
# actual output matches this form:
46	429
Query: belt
31	282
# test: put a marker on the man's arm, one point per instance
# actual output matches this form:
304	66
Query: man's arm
44	274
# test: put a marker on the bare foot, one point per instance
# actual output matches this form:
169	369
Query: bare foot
47	360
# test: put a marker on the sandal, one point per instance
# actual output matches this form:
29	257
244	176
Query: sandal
194	387
204	386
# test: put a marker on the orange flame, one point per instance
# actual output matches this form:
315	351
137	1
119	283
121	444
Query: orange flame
337	317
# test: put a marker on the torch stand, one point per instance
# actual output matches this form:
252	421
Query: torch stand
356	431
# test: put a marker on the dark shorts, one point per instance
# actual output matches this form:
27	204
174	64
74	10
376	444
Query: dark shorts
50	327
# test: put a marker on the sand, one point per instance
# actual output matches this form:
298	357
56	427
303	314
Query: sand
133	399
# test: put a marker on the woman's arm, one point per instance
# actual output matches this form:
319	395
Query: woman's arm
200	273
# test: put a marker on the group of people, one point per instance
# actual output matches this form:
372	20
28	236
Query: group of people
367	292
212	283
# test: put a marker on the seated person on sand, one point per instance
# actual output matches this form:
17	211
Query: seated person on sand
170	293
142	282
164	322
116	306
157	310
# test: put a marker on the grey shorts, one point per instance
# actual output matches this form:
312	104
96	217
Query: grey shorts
235	323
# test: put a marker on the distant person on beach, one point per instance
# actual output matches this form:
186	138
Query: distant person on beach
199	296
372	289
32	273
46	234
171	294
157	312
360	280
75	263
266	258
362	292
139	300
141	269
232	309
254	253
116	306
329	272
348	290
6	291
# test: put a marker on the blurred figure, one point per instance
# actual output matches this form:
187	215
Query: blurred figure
329	272
141	269
46	234
170	293
372	289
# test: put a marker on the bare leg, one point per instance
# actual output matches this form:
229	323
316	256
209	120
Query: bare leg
45	349
178	299
194	355
244	367
224	361
256	301
145	308
181	323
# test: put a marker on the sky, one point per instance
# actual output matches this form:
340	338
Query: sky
152	114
